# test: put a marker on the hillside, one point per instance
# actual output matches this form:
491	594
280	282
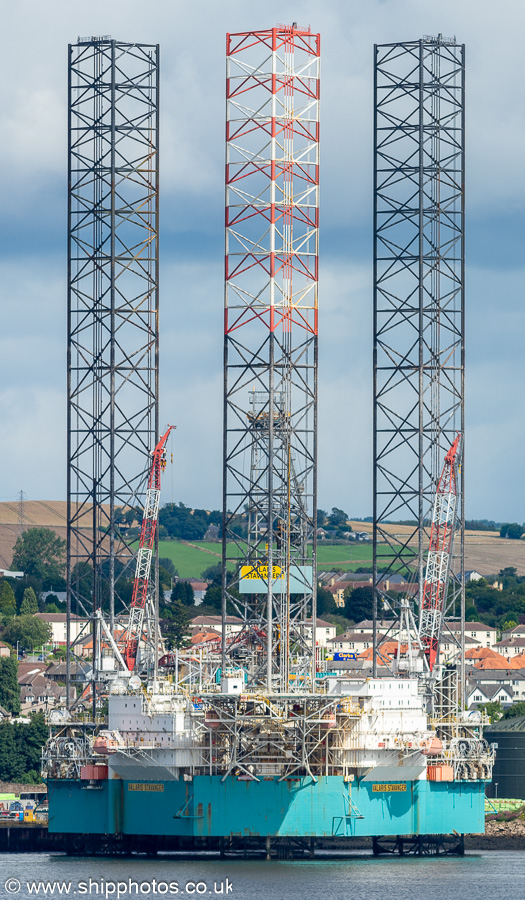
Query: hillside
485	550
36	513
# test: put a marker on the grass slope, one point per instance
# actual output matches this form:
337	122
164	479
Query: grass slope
192	558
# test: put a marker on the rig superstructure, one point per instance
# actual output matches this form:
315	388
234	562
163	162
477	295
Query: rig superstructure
260	737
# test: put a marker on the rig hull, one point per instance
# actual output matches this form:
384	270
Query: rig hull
210	806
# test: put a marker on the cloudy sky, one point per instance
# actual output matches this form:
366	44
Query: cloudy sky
33	119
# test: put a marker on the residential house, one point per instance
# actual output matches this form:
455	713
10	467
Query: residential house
233	624
387	626
324	631
494	663
499	693
79	671
337	591
202	636
37	691
511	647
486	635
518	631
449	647
4	649
351	642
476	654
472	575
57	621
510	678
199	589
327	579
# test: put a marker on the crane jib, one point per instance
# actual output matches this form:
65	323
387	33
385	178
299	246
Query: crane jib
145	553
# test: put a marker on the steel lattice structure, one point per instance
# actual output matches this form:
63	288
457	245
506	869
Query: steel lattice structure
270	349
419	277
112	308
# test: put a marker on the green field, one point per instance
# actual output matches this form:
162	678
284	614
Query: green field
191	561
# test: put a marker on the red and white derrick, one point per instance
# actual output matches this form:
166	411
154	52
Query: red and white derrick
145	554
435	588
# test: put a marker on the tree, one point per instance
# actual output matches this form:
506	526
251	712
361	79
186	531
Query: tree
493	708
512	531
28	631
168	565
41	553
29	603
21	749
129	516
358	603
53	604
9	687
321	516
30	738
213	573
337	518
7	599
213	597
517	709
325	602
10	768
184	593
507	572
175	627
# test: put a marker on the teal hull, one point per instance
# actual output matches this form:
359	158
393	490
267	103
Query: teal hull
207	807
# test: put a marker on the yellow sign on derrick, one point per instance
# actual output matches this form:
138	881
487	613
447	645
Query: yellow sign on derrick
260	572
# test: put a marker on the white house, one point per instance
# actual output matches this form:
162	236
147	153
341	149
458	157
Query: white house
351	642
449	648
383	625
511	647
324	631
486	635
517	632
472	575
233	623
57	621
513	680
499	693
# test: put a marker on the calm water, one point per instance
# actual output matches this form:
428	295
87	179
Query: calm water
478	876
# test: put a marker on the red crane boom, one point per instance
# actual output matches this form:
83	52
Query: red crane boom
439	556
145	553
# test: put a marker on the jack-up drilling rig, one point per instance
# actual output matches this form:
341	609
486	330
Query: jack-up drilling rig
259	734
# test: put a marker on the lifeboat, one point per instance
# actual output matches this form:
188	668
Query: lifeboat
211	719
431	747
105	743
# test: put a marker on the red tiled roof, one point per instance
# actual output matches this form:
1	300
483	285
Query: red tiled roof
203	637
492	663
482	653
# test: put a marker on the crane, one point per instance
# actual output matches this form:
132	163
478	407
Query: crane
145	553
435	588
